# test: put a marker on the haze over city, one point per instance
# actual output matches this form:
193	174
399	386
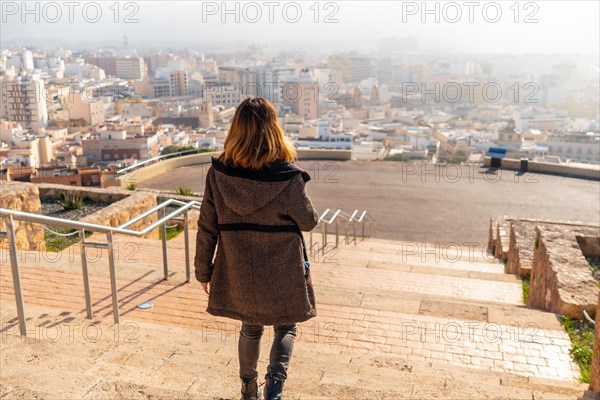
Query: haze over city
442	27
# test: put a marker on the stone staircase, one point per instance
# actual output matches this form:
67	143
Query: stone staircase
392	324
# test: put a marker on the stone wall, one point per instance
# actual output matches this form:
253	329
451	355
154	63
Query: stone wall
150	171
24	197
125	210
499	235
520	248
561	280
553	254
50	191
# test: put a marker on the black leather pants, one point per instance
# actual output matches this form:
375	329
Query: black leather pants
281	350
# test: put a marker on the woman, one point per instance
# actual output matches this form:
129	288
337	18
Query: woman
255	207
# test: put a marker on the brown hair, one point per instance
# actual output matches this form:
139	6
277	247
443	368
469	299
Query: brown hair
255	138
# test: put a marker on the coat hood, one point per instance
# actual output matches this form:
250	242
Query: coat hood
245	190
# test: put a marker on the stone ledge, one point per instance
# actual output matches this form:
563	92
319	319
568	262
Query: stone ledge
125	210
553	254
107	195
520	249
24	197
561	280
522	239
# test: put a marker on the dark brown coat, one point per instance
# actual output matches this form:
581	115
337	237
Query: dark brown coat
256	276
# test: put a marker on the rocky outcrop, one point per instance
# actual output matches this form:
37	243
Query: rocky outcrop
554	254
499	236
125	210
22	197
520	249
561	280
106	195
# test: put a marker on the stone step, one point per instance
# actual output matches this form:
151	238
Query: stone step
465	259
44	284
175	362
439	306
436	330
464	271
452	251
477	289
142	259
463	285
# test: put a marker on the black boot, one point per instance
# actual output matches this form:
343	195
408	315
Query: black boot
273	388
250	389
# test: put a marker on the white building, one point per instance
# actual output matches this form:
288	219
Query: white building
131	68
269	81
24	102
320	137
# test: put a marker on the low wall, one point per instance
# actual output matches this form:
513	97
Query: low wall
322	154
125	210
554	254
535	167
561	280
520	249
150	171
24	197
50	191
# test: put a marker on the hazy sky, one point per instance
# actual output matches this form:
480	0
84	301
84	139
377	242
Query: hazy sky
561	27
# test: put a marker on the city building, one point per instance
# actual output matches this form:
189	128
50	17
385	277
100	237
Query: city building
243	77
581	147
84	107
31	151
23	101
301	94
543	120
352	68
269	81
320	137
130	68
107	146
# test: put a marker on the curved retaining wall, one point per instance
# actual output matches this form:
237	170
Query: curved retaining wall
150	171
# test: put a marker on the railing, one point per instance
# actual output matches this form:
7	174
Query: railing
367	227
83	227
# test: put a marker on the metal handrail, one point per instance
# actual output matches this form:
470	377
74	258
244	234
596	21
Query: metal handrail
162	220
82	227
155	209
347	219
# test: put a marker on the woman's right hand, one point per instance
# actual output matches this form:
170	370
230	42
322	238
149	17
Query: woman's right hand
206	287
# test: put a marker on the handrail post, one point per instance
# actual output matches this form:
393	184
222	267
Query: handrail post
186	233
16	275
363	229
86	278
113	275
337	233
163	228
324	238
311	242
354	227
346	236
